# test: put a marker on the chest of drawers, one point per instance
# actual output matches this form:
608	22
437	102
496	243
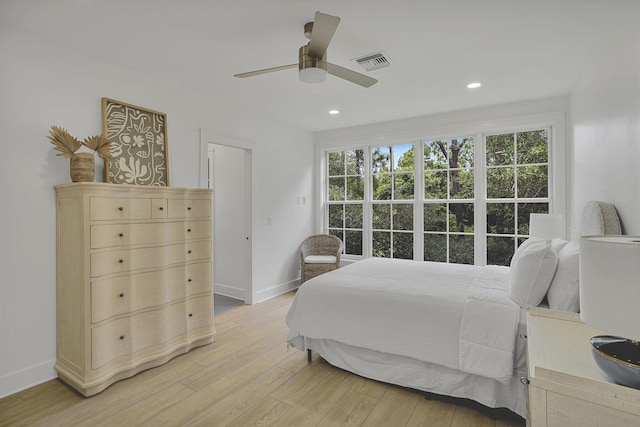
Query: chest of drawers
134	279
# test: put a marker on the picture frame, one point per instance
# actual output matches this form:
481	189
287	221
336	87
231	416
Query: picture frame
138	137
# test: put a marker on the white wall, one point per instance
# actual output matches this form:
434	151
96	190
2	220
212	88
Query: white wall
606	124
43	84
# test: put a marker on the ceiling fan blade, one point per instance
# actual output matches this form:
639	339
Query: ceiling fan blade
352	76
265	71
324	26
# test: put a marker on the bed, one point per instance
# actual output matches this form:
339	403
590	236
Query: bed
449	329
421	325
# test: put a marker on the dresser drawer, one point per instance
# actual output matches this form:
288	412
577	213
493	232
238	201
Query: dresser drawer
124	338
124	294
123	260
159	208
111	235
184	208
109	208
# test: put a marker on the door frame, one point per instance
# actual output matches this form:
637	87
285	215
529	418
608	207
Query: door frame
207	137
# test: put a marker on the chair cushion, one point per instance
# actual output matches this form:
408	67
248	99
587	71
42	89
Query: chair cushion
320	259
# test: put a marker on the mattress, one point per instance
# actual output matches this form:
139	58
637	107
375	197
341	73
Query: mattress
444	328
457	316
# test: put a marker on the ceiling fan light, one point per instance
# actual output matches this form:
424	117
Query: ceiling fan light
312	75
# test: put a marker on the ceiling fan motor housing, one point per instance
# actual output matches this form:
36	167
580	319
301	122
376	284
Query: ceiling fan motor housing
311	70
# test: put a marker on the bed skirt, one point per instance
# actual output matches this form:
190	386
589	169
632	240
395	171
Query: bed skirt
428	377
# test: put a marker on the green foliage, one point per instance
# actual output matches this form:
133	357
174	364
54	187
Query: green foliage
336	164
461	217
381	216
532	146
336	188
532	181
353	242
336	216
435	247
500	150
404	186
501	183
500	250
382	187
435	185
435	217
402	216
403	245
461	249
381	244
501	218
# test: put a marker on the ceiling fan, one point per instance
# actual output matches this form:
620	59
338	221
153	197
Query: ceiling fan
312	57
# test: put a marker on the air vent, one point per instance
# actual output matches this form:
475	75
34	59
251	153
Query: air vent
374	61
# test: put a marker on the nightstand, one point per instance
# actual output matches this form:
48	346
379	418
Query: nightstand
566	387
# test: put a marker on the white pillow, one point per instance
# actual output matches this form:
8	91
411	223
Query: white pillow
532	269
564	292
557	244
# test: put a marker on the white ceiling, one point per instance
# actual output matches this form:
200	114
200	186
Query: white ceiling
518	49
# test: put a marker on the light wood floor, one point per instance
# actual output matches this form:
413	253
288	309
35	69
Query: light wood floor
247	377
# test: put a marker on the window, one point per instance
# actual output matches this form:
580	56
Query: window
517	185
392	205
460	199
449	200
346	197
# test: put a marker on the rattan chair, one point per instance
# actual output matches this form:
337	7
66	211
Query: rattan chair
319	254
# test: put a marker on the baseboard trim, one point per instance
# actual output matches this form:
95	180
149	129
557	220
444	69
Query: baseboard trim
274	291
18	381
229	291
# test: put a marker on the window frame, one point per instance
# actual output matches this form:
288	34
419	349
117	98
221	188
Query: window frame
554	121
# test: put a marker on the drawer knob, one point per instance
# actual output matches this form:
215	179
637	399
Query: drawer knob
121	337
189	280
189	251
120	208
121	234
524	380
189	208
120	261
190	315
121	295
161	208
188	230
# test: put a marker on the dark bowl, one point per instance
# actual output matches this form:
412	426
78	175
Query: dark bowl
618	358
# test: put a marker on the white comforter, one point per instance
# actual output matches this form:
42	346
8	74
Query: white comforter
458	316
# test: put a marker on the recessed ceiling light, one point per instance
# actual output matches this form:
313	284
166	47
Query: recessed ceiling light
334	112
474	85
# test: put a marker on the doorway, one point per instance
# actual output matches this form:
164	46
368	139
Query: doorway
228	173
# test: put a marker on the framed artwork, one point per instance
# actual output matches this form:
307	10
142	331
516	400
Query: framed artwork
138	139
